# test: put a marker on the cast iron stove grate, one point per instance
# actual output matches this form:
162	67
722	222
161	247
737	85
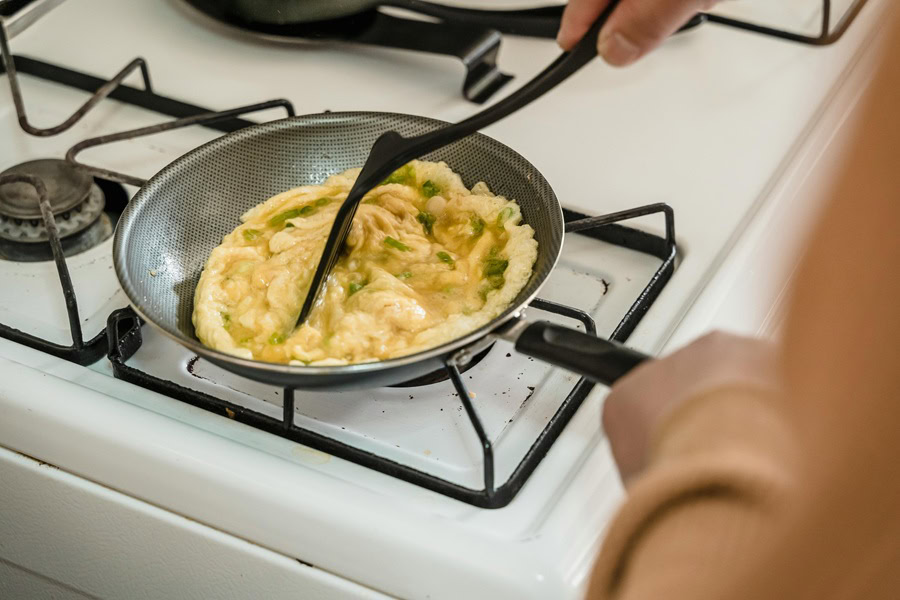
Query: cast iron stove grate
124	330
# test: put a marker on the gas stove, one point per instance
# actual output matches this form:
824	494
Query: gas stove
77	203
495	484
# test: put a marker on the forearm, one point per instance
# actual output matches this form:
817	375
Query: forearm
718	478
748	497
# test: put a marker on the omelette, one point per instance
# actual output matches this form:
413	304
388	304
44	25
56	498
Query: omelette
427	260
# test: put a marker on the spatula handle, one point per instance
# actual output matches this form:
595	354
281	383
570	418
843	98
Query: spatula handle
391	151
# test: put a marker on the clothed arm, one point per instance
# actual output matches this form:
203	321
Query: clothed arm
742	491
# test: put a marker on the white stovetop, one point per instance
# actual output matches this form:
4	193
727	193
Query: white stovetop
713	124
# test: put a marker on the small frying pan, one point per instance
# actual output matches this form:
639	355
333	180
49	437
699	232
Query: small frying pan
173	223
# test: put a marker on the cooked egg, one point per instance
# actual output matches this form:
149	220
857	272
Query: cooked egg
427	261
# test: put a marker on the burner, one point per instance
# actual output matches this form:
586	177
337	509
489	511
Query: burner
66	186
68	223
87	224
75	200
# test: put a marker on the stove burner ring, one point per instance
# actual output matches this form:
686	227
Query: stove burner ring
68	223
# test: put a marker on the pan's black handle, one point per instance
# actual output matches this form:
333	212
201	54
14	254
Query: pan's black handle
595	358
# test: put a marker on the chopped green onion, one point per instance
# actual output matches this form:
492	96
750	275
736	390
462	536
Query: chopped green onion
226	320
493	282
281	218
245	340
405	175
403	275
503	215
477	226
355	287
286	225
252	234
496	281
322	201
430	189
427	220
276	338
389	241
303	211
495	266
446	258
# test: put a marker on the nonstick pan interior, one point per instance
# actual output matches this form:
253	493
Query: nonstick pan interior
168	230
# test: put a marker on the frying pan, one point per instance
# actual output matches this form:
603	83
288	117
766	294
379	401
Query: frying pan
540	21
168	230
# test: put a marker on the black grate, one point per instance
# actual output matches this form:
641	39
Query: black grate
124	330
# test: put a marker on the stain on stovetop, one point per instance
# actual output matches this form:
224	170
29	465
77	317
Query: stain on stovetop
310	456
527	398
190	367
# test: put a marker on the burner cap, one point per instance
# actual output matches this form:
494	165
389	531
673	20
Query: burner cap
66	185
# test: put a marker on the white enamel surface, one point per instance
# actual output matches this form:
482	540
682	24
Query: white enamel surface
158	554
736	132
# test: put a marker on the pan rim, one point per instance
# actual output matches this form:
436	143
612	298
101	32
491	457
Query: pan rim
513	311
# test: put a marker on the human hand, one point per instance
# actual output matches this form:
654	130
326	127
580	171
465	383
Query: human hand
634	28
639	402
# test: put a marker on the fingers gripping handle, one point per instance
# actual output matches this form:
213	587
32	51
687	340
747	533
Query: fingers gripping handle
597	359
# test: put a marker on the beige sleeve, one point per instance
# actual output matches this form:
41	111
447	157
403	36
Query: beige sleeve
748	495
718	479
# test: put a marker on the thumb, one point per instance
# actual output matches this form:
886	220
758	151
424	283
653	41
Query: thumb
577	19
638	26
